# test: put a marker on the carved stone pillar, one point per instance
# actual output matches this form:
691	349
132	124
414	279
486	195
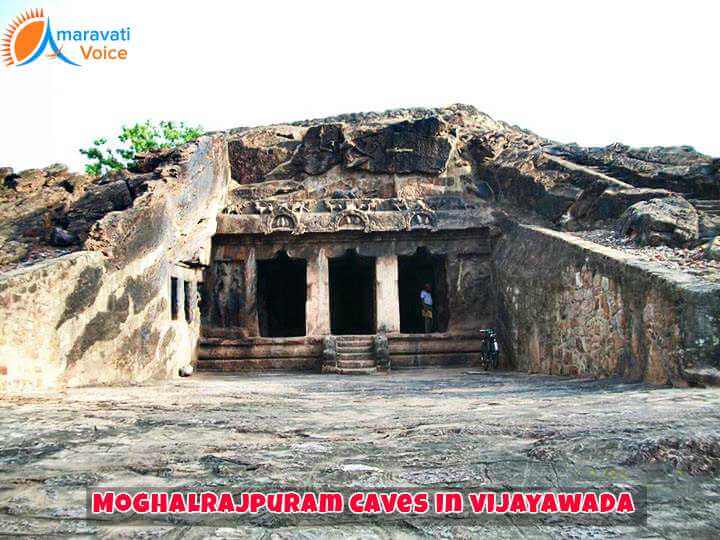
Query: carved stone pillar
317	304
249	314
387	297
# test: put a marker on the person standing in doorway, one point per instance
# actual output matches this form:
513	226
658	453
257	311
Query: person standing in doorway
426	307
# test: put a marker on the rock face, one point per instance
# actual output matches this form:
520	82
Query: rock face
405	147
603	202
103	313
670	221
679	169
100	275
321	149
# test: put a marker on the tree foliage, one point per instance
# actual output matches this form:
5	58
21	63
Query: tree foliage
141	137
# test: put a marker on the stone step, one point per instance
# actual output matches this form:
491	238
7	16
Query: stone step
354	355
356	371
365	363
367	349
354	339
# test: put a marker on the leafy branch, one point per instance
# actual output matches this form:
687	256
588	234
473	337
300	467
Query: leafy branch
136	139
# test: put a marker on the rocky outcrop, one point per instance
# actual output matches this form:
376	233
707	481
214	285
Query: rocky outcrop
421	146
104	313
680	169
668	221
602	203
321	149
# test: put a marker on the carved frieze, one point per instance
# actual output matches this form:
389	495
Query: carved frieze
366	215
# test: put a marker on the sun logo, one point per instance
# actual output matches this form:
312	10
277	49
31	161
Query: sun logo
27	37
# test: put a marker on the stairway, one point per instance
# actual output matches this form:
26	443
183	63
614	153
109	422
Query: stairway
709	206
355	355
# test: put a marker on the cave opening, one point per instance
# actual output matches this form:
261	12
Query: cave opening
352	294
281	295
414	271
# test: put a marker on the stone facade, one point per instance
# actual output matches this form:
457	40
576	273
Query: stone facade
463	296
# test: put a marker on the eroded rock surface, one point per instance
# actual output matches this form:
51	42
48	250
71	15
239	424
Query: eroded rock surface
670	220
437	429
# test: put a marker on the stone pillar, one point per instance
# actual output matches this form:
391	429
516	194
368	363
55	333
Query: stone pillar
317	304
180	298
387	296
249	314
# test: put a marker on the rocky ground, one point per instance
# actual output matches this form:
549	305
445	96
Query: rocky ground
691	260
432	428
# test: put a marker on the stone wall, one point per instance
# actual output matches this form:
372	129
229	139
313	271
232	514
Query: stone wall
103	314
571	307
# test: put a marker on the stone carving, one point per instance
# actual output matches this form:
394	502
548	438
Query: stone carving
417	214
335	205
367	205
400	204
329	354
263	207
421	220
352	219
281	216
381	349
283	222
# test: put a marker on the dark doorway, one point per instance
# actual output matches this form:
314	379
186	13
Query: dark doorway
281	293
414	272
352	294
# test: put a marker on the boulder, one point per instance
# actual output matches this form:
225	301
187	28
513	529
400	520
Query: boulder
600	202
56	169
713	249
321	149
254	155
420	146
671	221
709	225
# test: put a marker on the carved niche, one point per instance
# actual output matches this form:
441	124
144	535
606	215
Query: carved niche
419	215
420	220
352	219
281	216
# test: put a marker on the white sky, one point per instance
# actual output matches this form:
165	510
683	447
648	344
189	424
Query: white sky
594	72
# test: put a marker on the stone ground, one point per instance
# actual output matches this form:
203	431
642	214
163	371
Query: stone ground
693	261
431	428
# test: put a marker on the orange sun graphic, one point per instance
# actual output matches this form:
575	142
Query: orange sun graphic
23	37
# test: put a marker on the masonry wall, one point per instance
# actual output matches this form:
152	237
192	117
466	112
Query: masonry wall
103	315
570	307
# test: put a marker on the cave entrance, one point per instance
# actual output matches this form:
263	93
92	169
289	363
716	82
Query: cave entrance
414	271
281	294
352	294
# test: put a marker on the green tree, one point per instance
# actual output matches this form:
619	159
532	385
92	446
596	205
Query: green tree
136	139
